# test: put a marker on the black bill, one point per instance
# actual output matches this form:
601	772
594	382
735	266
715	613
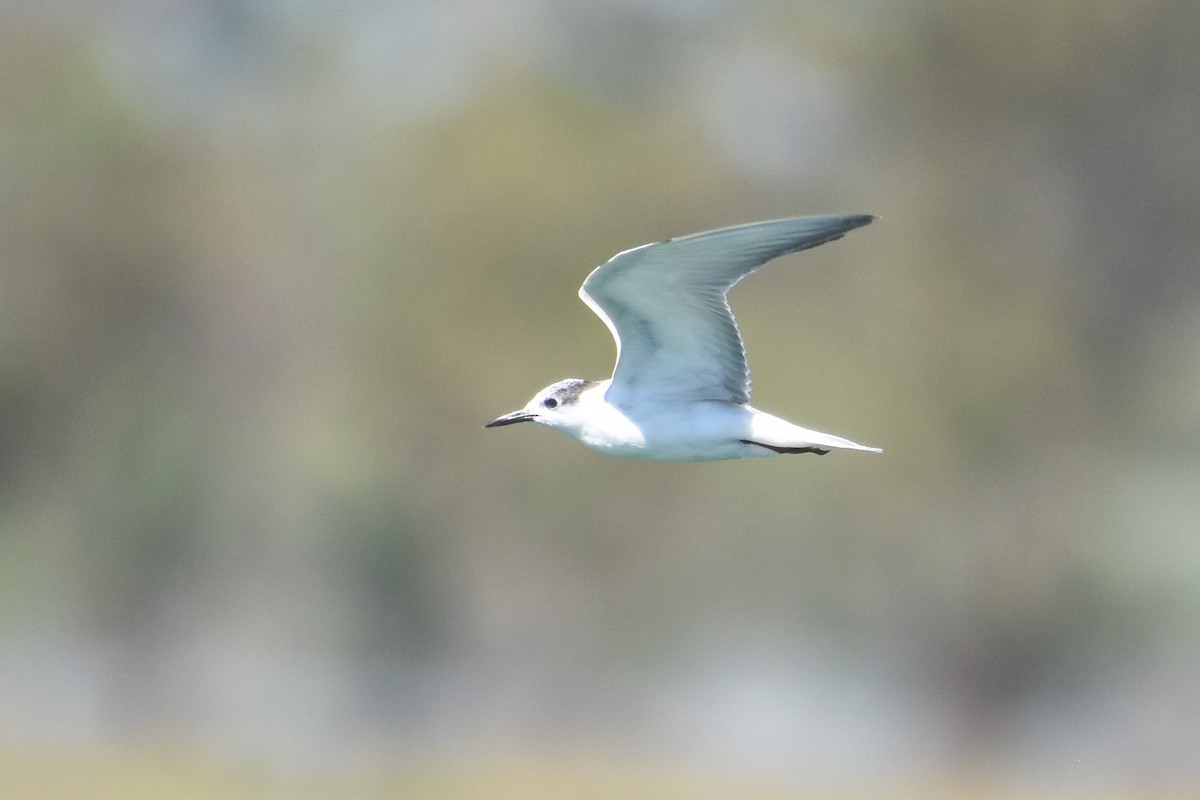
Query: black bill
510	419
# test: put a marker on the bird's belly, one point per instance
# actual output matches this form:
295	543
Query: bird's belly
691	432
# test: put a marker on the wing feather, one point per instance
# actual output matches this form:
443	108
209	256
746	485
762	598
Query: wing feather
665	304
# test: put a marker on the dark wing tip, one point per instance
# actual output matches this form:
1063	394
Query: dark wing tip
845	223
829	228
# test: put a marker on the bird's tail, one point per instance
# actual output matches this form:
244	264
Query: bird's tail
784	437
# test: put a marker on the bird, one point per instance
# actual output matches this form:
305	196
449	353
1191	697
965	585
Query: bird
680	390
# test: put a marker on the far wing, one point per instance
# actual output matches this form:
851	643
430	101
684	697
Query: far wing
665	305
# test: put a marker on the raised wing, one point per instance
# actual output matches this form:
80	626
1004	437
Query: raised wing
665	305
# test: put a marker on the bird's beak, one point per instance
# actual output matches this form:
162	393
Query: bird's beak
511	419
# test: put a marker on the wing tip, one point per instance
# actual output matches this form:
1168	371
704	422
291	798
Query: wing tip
844	223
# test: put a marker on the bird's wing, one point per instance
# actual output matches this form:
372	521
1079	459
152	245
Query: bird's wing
665	305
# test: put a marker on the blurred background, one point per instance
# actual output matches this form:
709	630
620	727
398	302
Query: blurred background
266	269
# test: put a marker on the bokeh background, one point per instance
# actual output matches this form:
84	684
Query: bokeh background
267	267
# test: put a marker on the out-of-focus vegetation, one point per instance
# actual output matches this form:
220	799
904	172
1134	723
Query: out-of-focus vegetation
266	268
153	774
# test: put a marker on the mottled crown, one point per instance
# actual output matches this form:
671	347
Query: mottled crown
568	391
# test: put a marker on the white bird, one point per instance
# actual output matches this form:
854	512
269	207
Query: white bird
681	387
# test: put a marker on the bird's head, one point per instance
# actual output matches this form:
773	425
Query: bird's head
556	406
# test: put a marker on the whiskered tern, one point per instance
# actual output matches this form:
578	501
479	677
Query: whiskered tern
681	387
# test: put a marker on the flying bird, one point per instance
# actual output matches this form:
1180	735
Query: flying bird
681	387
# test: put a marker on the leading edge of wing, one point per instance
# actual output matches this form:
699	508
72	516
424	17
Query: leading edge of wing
716	258
779	237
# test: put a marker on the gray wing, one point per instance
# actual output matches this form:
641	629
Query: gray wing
665	305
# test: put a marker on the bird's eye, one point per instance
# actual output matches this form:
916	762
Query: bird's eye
550	402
